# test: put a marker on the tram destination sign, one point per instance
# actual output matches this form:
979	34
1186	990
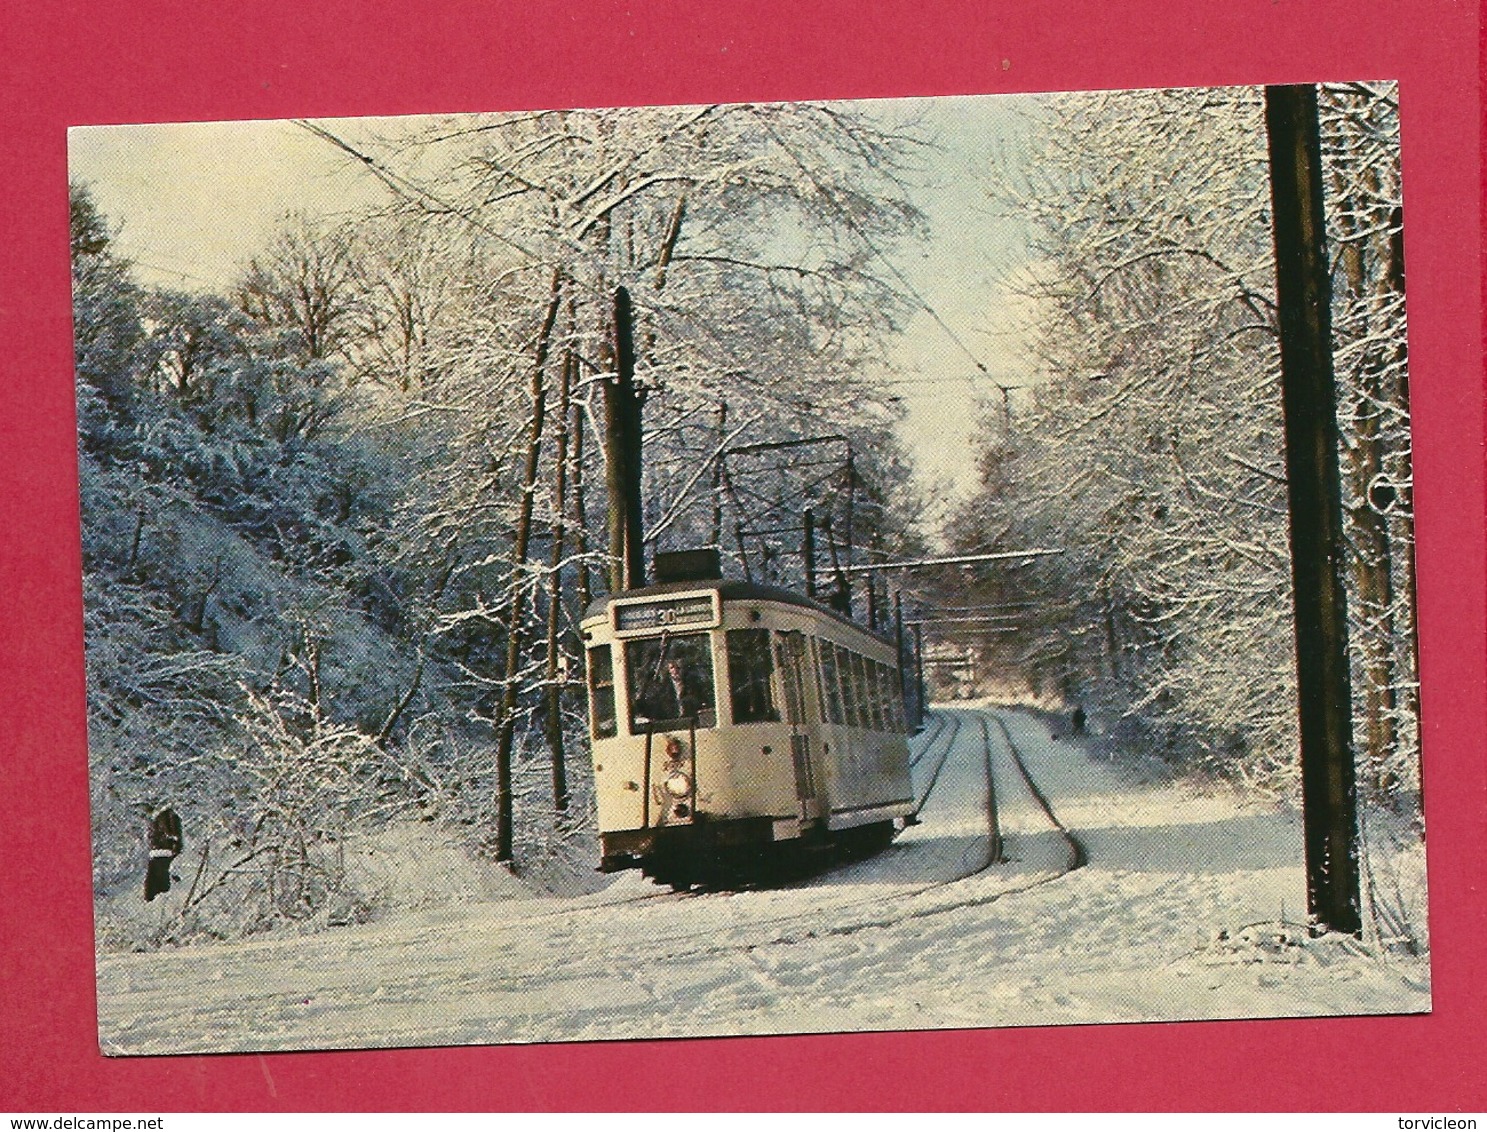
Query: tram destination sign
669	613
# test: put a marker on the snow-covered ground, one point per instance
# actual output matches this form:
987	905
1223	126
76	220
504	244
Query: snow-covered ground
1186	908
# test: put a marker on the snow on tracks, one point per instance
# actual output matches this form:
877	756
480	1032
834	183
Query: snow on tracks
926	934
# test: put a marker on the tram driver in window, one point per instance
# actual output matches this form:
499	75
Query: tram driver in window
675	694
680	687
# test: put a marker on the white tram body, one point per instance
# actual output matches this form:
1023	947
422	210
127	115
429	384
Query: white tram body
731	721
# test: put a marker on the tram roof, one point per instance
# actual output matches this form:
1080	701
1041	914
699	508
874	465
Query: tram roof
731	590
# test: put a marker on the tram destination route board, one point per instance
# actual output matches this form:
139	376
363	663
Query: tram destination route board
691	609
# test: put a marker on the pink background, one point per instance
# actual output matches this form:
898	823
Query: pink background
155	61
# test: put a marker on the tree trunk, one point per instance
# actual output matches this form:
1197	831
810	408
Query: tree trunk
580	515
506	719
1405	637
553	691
1368	296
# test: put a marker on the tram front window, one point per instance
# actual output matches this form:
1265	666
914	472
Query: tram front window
671	680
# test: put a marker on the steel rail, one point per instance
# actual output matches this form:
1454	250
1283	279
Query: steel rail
1078	857
812	929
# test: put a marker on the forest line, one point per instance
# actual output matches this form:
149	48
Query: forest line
341	520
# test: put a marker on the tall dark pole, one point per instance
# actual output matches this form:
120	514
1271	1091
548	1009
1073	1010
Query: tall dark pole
898	644
717	539
580	515
808	552
1304	295
743	551
623	455
919	671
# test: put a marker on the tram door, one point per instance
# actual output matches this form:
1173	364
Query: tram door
792	658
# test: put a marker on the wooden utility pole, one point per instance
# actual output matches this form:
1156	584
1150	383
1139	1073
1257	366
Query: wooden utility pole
1304	295
743	551
808	552
898	642
919	670
623	454
717	539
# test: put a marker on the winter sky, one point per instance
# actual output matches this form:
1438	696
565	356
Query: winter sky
195	200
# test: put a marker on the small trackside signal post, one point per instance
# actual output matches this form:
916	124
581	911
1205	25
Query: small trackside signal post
1304	295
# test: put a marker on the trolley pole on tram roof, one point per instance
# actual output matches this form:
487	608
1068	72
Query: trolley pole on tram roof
1303	292
622	465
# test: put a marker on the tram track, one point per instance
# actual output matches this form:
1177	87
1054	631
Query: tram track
943	724
953	726
991	856
940	747
939	721
1075	858
1078	857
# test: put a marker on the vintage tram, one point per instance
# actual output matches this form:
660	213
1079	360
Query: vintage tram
740	729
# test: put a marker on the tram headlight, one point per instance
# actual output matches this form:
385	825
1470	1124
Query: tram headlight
678	784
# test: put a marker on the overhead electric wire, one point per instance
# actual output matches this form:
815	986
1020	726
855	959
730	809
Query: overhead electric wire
405	187
951	560
866	239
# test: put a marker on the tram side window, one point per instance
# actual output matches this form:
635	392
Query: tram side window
875	679
890	696
750	676
895	699
866	694
890	699
671	680
792	650
849	685
869	695
829	680
861	693
601	692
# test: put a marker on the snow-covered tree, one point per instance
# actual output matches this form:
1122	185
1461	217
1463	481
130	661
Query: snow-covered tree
341	521
1151	447
747	237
